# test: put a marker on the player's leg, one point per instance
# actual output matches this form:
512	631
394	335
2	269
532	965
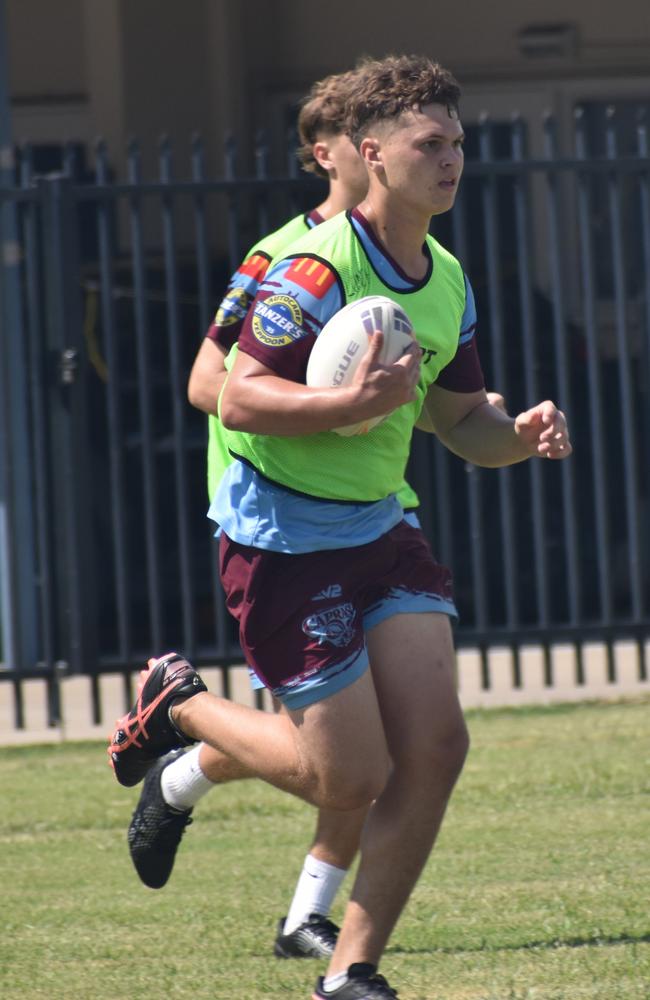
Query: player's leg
331	753
413	667
307	928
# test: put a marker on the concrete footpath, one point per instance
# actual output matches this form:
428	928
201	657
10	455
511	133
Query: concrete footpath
488	685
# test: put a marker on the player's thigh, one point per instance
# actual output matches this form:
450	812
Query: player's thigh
413	665
341	742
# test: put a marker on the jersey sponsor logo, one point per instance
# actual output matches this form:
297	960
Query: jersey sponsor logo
312	275
334	625
427	354
233	308
254	266
277	321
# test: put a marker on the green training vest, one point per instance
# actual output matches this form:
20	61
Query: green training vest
367	467
271	246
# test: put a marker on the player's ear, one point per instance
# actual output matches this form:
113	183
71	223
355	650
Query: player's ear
321	153
370	152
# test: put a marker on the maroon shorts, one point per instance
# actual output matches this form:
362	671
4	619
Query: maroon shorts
303	618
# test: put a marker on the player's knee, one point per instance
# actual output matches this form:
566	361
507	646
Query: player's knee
354	788
450	752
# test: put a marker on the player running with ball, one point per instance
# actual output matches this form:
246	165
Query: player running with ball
314	538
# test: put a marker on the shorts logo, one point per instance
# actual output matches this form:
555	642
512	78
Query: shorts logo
233	307
335	625
277	321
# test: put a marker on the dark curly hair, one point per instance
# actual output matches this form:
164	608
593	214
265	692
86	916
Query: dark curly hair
322	112
385	88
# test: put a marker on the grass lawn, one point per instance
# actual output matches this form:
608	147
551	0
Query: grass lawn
539	887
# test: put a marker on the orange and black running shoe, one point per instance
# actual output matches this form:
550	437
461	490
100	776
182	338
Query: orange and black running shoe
147	732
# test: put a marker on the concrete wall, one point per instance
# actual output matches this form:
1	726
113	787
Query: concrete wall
140	67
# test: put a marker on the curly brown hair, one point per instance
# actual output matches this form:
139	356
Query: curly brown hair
385	88
322	112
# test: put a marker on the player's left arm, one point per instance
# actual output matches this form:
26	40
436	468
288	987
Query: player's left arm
481	433
474	424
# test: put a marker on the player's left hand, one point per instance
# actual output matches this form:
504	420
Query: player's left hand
543	429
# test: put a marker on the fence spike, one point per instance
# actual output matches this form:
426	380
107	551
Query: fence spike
611	144
292	151
261	153
165	158
230	156
642	132
133	161
26	164
101	161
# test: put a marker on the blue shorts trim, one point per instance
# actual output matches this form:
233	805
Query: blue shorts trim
401	602
256	683
323	684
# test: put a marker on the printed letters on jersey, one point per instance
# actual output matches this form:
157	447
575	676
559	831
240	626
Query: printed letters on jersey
277	321
233	308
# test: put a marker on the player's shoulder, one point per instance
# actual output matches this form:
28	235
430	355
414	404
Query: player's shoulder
441	253
324	240
276	242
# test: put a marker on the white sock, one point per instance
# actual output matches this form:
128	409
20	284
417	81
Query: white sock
183	782
317	886
331	983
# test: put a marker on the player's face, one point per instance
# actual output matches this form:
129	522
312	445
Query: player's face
422	158
349	167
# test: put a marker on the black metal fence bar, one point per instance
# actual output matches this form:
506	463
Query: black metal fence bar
178	401
601	545
123	602
524	249
147	451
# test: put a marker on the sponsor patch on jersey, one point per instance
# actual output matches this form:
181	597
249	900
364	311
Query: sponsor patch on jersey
233	308
335	625
277	321
312	275
255	266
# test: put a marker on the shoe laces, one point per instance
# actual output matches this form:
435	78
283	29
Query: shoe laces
324	929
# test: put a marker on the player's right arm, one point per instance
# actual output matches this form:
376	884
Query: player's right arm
208	371
207	376
257	400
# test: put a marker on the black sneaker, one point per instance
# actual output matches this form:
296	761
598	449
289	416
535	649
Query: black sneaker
364	983
316	938
147	732
156	829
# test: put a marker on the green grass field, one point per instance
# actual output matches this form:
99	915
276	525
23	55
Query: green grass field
539	887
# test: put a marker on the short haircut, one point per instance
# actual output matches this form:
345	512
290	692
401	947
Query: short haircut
322	112
385	88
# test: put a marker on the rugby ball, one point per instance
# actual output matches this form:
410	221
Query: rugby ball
344	340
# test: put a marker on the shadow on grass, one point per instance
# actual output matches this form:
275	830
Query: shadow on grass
597	941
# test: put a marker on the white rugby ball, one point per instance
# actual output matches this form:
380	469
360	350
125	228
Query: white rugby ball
344	340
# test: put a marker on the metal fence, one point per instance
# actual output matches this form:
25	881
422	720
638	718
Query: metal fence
107	554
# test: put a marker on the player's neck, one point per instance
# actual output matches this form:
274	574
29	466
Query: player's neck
401	232
339	199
